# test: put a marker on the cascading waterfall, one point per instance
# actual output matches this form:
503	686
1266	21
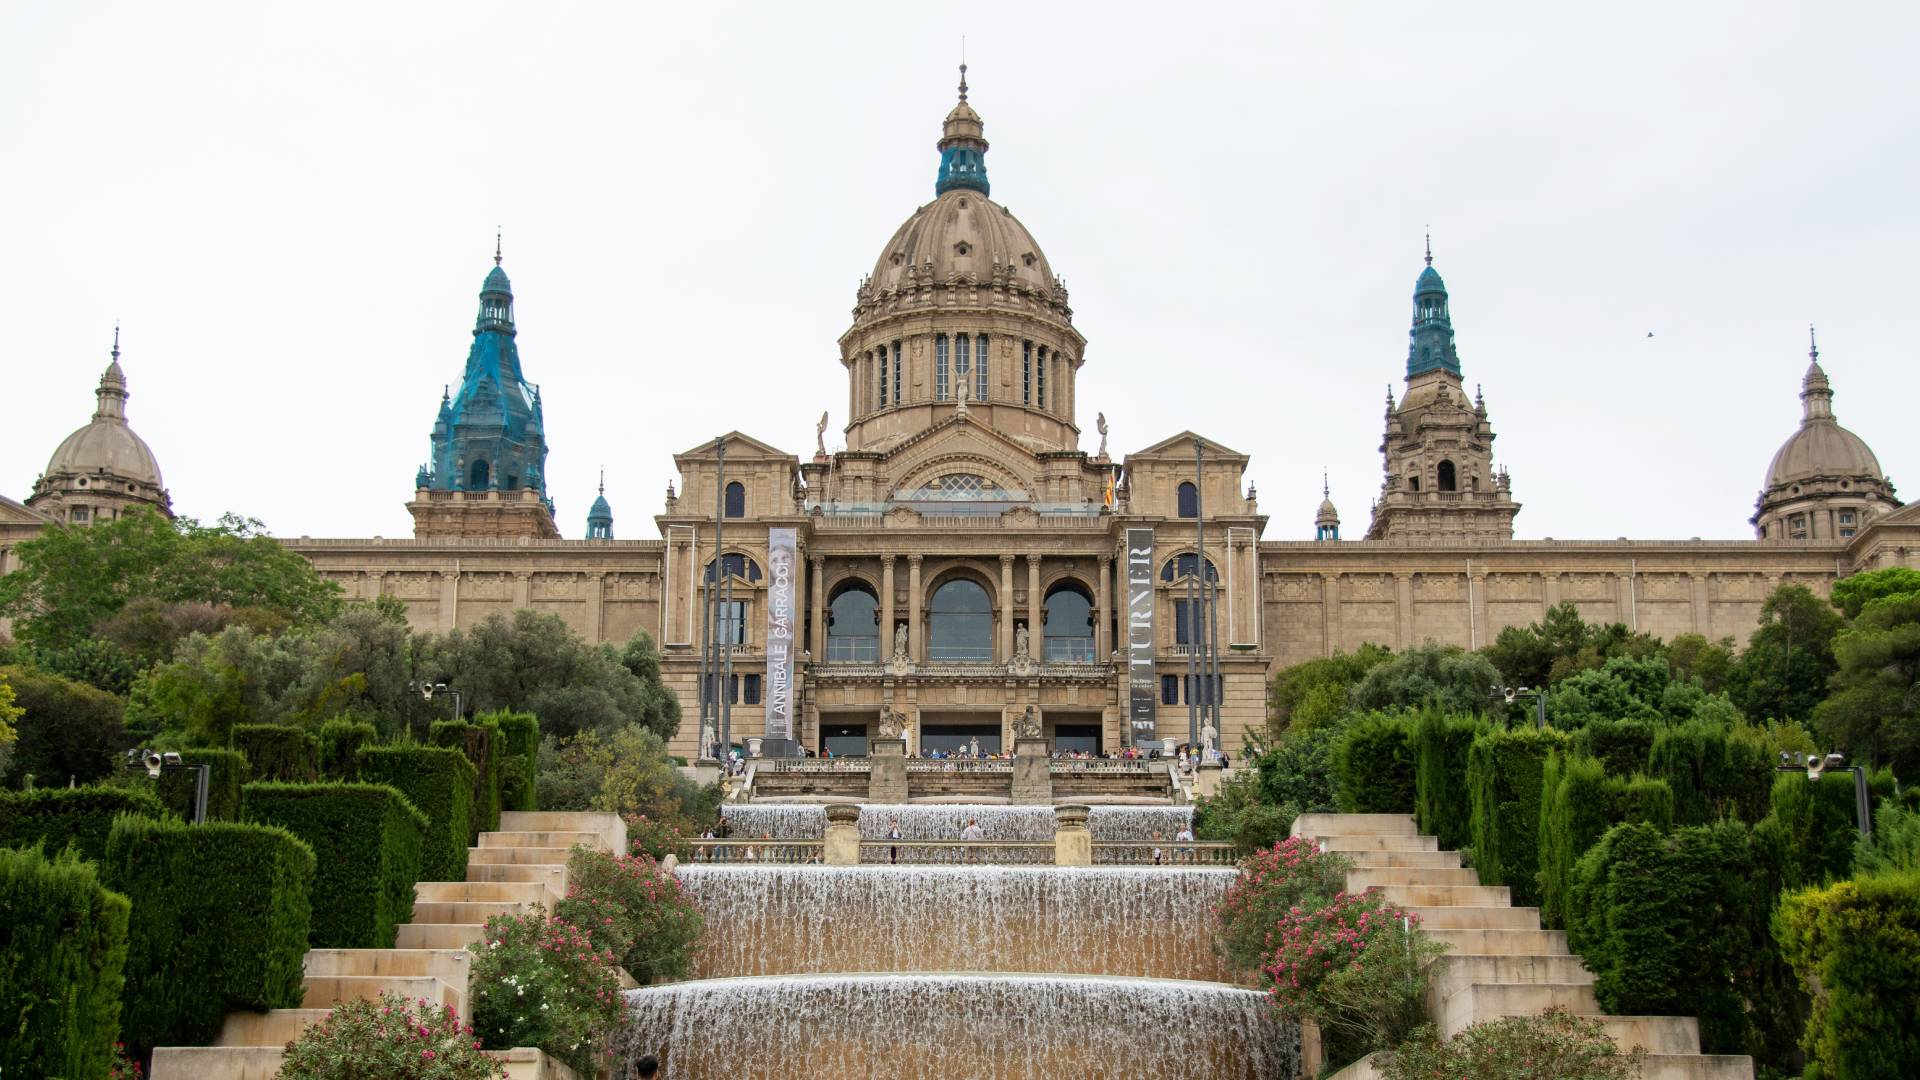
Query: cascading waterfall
1011	1027
943	821
776	920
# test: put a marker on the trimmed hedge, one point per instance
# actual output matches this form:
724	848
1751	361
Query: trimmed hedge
1712	773
279	752
1676	924
220	919
1504	773
518	745
1817	823
477	742
439	782
1440	802
340	739
1578	803
80	816
230	771
366	839
1621	746
63	954
1373	766
1856	946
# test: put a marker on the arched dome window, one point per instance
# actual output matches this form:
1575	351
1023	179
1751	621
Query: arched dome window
736	500
737	565
1182	566
477	476
960	487
1448	482
853	624
1189	499
960	624
1069	624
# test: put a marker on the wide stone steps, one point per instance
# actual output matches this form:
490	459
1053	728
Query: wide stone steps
1500	962
507	872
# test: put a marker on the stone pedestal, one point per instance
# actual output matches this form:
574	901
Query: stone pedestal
843	835
1207	779
1072	842
887	783
1032	780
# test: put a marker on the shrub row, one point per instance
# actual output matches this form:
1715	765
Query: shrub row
366	840
59	816
279	752
439	782
518	744
1712	773
1440	746
220	921
1579	802
1856	945
63	950
476	741
1373	766
1504	774
340	740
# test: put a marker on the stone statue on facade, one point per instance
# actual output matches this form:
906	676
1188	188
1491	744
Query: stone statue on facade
892	724
900	642
820	436
1208	737
1027	725
1022	643
708	742
960	392
1100	422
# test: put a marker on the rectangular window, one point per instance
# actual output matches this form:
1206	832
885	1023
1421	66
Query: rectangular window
1026	373
1040	380
897	399
732	628
1188	627
981	385
883	374
939	367
1169	689
79	513
1845	533
962	362
1846	517
751	694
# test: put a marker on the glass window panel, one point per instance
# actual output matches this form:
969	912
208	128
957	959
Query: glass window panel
960	624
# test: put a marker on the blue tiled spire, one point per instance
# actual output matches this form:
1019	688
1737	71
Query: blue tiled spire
490	435
963	148
1431	345
600	516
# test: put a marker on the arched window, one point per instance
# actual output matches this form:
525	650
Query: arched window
736	500
1413	481
962	362
853	624
477	476
939	367
1189	499
960	624
1069	625
981	385
1447	481
738	565
1182	566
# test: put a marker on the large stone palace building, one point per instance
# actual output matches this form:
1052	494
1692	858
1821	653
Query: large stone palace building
965	557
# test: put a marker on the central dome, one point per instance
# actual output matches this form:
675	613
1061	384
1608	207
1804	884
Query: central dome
966	236
1821	448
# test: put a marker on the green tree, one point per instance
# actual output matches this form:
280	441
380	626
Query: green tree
1852	594
534	662
1314	693
65	730
641	657
627	773
1784	670
1875	708
1460	681
71	580
9	712
1562	644
1709	663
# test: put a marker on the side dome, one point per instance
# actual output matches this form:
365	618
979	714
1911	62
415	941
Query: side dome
962	235
1821	448
1824	483
106	444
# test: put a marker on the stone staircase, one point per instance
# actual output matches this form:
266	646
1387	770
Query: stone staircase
1499	962
523	864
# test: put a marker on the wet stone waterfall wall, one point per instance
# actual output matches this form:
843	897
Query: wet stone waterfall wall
1138	922
1009	1027
943	821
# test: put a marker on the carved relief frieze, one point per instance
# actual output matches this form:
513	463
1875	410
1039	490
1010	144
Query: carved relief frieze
557	587
415	586
484	586
1666	587
1367	587
1437	587
1587	587
1513	587
1737	587
1295	588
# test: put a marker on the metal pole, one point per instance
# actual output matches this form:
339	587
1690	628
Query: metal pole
1862	806
1540	707
709	604
727	643
714	690
1196	609
1211	594
201	772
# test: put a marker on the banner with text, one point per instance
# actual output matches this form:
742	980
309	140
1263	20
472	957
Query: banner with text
780	615
1142	702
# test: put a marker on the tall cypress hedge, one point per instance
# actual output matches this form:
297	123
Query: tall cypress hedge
279	752
80	816
518	745
340	739
229	772
1817	823
1578	803
63	953
1712	773
1373	766
1621	746
1504	774
1856	946
221	913
476	741
366	840
439	782
1441	804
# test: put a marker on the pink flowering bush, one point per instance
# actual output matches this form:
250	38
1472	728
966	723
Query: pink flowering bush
540	981
1293	873
122	1066
1555	1045
1355	966
393	1038
629	908
656	838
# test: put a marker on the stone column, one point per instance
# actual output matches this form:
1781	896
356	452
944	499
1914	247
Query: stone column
1103	618
886	607
1626	607
596	607
449	600
1036	642
843	834
1403	611
1550	588
887	780
1006	609
1032	777
1477	610
916	607
1330	612
522	588
1072	843
819	633
1702	614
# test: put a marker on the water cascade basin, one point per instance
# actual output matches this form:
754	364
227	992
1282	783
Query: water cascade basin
944	821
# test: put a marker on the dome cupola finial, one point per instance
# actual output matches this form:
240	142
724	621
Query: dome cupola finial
1431	347
963	146
1816	393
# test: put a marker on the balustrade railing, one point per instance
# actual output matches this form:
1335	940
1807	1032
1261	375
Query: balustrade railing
958	852
817	765
1164	853
1102	766
958	765
758	851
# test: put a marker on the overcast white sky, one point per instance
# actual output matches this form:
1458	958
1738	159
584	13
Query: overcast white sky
291	207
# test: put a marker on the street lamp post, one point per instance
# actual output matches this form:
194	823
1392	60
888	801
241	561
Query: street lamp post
1510	694
1818	766
426	690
